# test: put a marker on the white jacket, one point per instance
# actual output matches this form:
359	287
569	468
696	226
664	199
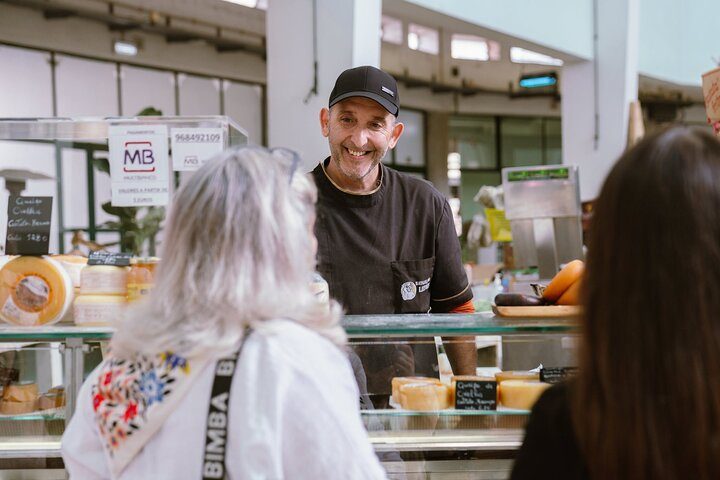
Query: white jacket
293	414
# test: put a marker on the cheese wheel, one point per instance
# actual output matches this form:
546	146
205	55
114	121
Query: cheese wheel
17	408
517	375
424	396
571	295
569	274
20	392
73	265
34	291
49	400
103	280
98	310
521	394
398	382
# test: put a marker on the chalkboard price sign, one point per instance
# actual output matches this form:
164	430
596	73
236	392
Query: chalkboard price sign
107	258
557	374
476	395
28	227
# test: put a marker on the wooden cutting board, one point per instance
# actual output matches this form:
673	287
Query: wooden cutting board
550	311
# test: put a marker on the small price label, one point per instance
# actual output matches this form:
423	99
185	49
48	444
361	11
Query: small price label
107	258
476	395
193	147
28	227
557	374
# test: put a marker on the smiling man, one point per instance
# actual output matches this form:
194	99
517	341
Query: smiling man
386	240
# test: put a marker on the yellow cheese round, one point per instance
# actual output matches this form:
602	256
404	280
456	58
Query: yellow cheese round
20	392
424	396
34	291
17	408
73	265
521	394
517	375
96	310
103	280
398	382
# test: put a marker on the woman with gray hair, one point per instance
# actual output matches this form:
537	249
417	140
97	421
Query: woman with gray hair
232	368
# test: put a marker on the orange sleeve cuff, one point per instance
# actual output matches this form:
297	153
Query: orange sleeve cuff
466	307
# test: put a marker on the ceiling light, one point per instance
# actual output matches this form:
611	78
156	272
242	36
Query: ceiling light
126	48
538	80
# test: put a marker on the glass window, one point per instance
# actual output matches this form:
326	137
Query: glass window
76	78
423	39
199	95
553	141
522	55
25	83
469	186
474	139
243	103
521	141
392	30
410	150
143	87
471	47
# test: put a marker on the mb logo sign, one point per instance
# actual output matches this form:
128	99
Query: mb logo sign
139	157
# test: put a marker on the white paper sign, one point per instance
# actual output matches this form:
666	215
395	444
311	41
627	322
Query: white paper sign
711	92
139	165
192	147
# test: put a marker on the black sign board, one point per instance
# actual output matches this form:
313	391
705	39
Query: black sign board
107	258
28	227
476	395
557	374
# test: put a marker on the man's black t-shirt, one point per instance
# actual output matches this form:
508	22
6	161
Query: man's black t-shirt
392	251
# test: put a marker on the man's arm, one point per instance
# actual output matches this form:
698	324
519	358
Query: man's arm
461	351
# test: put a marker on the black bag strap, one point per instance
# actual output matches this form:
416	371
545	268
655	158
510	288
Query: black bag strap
217	418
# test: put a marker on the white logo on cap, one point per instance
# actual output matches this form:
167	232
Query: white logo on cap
388	91
408	290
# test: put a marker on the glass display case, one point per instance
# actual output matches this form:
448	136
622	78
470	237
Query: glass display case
442	442
42	368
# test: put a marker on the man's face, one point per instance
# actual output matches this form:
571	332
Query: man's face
359	132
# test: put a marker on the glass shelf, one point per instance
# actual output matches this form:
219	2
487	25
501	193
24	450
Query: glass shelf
53	333
485	323
355	326
93	129
391	412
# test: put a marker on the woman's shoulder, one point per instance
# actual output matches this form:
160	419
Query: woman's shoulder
290	340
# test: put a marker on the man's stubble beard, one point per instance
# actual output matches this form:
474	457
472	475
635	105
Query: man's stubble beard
337	157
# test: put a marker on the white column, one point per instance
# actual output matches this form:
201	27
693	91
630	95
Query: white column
596	96
348	35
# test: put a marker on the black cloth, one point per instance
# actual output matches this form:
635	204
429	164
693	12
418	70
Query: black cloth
550	449
392	251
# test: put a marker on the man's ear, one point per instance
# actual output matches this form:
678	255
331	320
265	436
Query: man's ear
395	135
324	120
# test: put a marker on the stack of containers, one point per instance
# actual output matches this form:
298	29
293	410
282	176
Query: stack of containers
103	295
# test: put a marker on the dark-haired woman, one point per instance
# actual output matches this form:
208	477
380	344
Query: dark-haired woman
646	403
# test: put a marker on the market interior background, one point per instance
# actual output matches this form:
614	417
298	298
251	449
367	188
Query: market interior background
270	65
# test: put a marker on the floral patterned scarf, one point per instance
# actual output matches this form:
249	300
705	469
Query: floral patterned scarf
133	398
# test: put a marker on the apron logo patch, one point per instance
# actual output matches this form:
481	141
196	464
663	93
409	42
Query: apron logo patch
408	290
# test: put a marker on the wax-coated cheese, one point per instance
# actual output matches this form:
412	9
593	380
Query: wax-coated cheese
424	396
73	265
517	375
521	394
34	291
20	392
398	382
103	280
96	310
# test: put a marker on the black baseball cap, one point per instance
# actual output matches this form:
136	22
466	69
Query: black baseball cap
368	82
